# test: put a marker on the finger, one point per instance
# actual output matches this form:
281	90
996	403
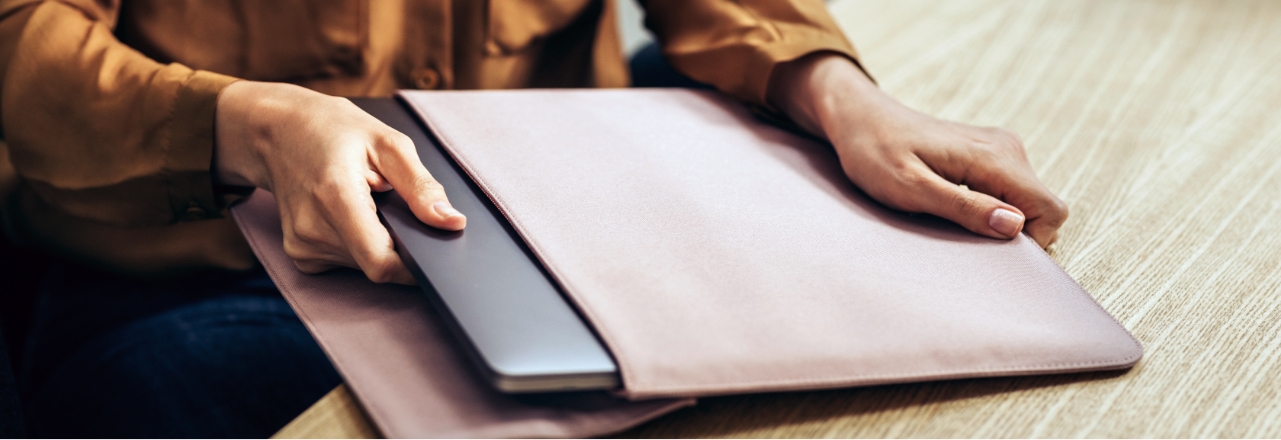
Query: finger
973	210
313	258
310	241
376	181
1044	211
398	162
308	259
1014	181
352	213
1045	215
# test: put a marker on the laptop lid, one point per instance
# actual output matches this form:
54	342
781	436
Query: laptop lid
507	314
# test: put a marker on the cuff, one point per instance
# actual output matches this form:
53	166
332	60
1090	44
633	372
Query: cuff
191	143
743	70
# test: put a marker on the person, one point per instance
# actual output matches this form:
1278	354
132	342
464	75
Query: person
130	126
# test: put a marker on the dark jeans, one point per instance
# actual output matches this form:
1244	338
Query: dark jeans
213	355
10	413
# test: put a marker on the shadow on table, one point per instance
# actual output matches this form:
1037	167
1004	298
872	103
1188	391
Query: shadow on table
726	415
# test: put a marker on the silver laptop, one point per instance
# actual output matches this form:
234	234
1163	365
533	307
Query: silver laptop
506	312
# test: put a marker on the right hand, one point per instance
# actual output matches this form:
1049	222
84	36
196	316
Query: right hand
914	162
321	156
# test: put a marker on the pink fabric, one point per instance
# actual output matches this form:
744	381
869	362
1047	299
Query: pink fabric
715	254
410	379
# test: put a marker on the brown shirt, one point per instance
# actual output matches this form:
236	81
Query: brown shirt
107	106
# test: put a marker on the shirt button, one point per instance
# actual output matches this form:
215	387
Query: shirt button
426	78
492	48
195	212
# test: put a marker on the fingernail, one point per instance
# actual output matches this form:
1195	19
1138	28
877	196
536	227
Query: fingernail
1006	222
445	210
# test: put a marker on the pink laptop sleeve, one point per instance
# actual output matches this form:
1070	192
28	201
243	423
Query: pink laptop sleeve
716	254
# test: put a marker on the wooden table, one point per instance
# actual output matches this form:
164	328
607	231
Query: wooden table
1159	122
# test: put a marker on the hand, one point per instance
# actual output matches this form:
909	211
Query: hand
914	162
321	156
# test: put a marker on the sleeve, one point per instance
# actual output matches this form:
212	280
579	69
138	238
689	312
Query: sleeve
735	45
98	130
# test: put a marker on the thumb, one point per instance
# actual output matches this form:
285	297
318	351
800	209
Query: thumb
397	161
973	210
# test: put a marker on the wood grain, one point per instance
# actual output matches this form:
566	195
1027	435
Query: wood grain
336	415
1159	122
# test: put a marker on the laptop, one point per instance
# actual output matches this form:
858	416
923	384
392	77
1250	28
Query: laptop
507	314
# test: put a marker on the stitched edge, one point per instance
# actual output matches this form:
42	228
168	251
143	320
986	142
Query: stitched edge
874	379
286	290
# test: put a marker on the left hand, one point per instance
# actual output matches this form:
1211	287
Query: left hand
321	156
914	162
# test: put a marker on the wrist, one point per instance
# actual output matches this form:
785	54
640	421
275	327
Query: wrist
827	94
233	152
249	117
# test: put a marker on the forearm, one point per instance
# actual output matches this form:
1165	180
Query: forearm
99	130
